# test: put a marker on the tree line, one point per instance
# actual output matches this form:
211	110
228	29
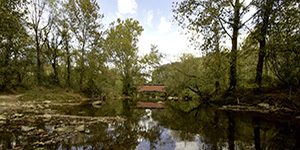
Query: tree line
268	58
64	43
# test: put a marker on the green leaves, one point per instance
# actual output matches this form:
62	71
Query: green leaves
121	45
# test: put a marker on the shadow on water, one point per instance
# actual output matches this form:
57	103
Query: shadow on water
173	128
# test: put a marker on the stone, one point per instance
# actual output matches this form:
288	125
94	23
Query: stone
87	131
47	117
2	117
64	129
48	142
263	105
80	128
40	106
27	129
160	102
41	131
47	102
18	115
97	104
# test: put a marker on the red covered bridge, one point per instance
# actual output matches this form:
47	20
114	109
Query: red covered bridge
158	89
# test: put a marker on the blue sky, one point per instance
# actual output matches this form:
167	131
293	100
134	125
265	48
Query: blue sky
156	18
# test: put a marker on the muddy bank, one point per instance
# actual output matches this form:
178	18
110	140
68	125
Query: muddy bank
37	124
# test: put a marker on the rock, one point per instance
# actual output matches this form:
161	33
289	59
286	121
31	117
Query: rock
160	103
80	128
40	106
47	102
87	131
26	128
2	117
263	105
38	143
18	115
64	129
97	104
48	142
47	117
41	131
2	122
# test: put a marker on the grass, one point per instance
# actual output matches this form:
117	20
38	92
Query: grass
54	94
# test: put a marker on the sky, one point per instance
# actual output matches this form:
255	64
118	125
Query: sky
156	17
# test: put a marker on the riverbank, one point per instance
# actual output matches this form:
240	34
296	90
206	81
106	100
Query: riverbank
33	115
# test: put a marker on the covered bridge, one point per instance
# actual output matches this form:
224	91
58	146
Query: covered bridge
155	89
152	92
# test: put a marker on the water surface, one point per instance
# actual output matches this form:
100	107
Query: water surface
174	128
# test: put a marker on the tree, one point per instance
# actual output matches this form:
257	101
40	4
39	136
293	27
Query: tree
151	61
36	9
52	42
121	44
84	20
263	19
62	25
13	40
199	15
284	47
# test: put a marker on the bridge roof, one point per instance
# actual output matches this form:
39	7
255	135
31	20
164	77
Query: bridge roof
160	89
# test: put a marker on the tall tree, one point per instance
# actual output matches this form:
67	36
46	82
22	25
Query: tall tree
52	42
13	39
85	23
199	15
284	47
37	9
62	25
265	9
121	43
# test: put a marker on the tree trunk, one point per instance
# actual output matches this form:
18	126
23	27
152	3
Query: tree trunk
38	71
56	81
257	139
82	65
231	131
68	64
233	54
262	43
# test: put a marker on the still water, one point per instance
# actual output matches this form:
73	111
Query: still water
178	128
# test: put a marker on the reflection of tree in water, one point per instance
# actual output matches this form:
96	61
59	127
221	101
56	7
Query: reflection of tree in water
232	130
212	129
277	135
208	123
126	135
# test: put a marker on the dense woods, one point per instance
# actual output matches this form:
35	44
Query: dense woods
65	44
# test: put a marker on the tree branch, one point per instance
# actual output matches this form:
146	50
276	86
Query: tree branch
224	28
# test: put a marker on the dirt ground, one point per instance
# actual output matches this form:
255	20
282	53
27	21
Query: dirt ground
9	102
25	117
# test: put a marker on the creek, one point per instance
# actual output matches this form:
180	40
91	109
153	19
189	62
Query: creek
172	128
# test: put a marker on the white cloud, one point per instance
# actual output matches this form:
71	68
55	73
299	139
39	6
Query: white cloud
149	18
127	6
164	26
172	44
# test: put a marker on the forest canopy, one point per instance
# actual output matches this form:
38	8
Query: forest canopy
66	44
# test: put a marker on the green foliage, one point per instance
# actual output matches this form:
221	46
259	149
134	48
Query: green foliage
53	94
13	42
284	45
193	76
121	45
